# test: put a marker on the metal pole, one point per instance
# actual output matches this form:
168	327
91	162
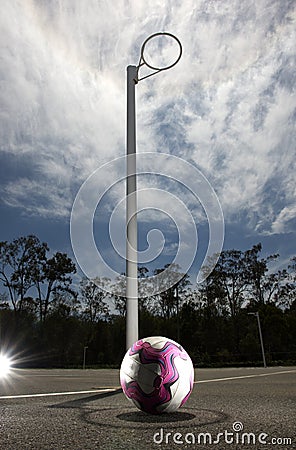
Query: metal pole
261	339
84	357
178	319
131	214
131	191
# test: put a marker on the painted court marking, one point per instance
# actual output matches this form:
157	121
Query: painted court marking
245	376
54	394
104	390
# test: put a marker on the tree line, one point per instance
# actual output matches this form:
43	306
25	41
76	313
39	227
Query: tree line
49	317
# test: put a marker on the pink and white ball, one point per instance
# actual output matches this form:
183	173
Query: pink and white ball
157	375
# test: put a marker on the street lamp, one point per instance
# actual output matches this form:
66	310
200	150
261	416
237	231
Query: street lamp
131	189
260	335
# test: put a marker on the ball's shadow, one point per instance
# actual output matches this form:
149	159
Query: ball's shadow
141	417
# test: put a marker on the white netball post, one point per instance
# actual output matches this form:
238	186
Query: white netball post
131	189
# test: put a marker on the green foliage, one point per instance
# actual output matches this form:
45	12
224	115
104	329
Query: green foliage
47	321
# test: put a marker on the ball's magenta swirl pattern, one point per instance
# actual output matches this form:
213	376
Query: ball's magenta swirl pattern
162	384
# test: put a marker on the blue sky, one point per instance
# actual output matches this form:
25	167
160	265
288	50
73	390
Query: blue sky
227	108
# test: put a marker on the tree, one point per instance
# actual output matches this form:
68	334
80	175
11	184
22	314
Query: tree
143	291
173	284
286	293
4	300
118	289
263	286
53	278
20	263
227	285
93	298
229	280
25	267
267	287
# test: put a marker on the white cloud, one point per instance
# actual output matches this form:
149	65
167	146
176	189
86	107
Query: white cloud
227	105
285	221
41	200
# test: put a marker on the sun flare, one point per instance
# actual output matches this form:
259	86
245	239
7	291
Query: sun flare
5	365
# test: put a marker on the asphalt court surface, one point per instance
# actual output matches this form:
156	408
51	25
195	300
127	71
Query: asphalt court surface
249	408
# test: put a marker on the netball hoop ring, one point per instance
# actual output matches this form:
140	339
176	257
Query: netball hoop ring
143	61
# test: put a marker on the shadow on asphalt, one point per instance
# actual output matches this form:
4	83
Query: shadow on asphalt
77	403
121	417
118	417
141	417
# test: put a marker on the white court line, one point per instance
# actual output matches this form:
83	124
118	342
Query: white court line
103	390
244	376
52	394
